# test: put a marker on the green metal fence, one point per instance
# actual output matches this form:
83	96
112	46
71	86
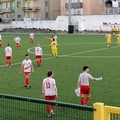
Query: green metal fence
24	108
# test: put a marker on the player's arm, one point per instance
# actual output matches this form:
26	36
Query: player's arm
32	68
21	68
78	83
96	79
55	87
43	89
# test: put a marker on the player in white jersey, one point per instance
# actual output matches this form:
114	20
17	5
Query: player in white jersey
0	40
27	66
49	90
38	55
17	41
31	38
83	83
8	55
55	37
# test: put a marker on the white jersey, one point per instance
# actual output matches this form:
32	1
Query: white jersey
85	77
31	35
8	51
38	51
55	37
17	39
27	65
0	37
49	86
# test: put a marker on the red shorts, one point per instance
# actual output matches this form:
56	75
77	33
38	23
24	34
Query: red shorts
31	39
0	41
38	57
17	43
50	97
27	73
8	57
84	89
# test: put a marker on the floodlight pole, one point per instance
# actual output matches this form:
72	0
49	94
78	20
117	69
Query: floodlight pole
69	12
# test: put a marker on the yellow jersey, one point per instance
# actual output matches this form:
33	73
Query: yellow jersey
108	36
118	36
54	44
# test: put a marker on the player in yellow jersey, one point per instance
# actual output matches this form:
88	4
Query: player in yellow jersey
118	38
54	48
108	39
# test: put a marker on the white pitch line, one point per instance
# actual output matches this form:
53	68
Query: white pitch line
89	51
21	62
101	57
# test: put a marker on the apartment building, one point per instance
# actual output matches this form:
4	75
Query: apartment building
91	7
29	9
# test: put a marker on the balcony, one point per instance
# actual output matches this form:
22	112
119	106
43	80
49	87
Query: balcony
111	11
6	1
31	9
75	5
6	10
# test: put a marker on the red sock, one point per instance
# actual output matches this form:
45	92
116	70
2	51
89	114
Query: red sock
87	100
53	107
27	81
82	100
0	45
48	108
40	61
6	62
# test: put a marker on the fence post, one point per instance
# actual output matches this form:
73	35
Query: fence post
99	112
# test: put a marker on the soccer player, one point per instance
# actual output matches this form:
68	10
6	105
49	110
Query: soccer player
108	39
54	46
17	41
0	40
27	66
8	54
31	38
49	91
38	54
118	38
83	83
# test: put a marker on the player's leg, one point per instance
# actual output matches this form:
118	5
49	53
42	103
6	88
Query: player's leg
82	91
56	52
53	98
87	99
27	75
48	106
7	60
37	60
53	53
40	60
0	43
88	95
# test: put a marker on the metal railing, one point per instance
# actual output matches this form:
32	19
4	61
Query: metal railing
24	108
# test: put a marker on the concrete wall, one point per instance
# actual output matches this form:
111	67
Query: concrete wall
91	23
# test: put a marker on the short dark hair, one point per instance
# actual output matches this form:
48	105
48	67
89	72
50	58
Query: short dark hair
49	73
85	67
26	55
53	39
8	44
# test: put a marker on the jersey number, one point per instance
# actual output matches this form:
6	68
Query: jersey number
47	85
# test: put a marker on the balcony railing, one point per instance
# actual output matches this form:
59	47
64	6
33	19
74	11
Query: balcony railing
111	11
75	5
33	9
6	10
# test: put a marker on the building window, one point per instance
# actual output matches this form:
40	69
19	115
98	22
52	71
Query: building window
46	15
18	4
19	16
6	5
